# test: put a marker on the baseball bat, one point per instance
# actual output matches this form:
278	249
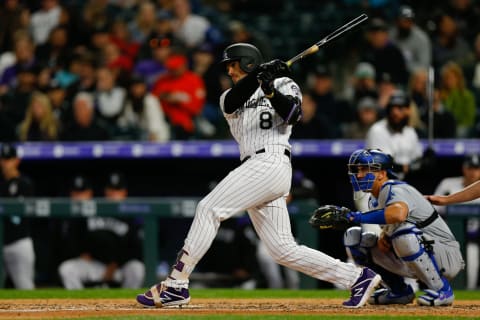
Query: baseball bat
338	32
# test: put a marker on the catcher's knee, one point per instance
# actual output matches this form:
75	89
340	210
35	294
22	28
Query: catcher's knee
406	242
358	243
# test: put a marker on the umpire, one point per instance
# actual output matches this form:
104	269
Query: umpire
18	253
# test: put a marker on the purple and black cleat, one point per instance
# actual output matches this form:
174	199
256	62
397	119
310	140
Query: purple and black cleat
165	294
362	288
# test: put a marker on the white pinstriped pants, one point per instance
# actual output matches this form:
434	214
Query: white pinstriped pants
259	186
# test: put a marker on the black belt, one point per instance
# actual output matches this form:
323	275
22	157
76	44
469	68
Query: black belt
286	152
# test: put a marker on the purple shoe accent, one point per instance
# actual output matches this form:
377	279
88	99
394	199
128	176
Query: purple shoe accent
362	288
168	296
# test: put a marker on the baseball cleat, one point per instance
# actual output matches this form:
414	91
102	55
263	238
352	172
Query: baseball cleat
165	294
432	298
362	288
386	296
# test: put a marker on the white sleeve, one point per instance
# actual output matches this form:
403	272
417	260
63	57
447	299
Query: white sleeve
155	118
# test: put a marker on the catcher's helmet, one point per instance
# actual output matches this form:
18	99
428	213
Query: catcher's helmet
248	55
375	160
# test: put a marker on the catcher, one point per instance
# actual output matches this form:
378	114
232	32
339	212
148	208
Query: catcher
415	241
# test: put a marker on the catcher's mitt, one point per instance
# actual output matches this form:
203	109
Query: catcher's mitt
330	217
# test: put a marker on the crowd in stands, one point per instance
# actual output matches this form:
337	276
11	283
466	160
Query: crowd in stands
147	70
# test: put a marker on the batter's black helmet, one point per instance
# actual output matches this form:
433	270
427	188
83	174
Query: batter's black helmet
248	55
399	98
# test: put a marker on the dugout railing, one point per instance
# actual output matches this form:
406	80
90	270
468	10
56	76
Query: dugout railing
151	209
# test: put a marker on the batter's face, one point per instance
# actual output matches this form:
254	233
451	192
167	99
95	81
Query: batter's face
234	71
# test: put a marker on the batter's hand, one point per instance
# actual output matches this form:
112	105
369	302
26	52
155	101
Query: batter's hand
277	67
266	79
384	244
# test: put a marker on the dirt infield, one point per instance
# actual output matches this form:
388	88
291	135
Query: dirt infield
78	308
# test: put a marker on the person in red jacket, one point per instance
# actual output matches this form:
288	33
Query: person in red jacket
182	96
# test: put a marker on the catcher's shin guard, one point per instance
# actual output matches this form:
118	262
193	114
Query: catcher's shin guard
409	246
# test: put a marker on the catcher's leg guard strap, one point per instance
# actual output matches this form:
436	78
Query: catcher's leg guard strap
409	247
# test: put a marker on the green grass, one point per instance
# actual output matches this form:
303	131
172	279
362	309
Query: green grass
222	293
195	293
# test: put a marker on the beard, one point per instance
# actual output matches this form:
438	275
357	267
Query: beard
398	125
403	32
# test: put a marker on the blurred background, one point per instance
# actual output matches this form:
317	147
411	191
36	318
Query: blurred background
111	100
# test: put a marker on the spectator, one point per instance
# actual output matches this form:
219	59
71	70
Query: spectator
385	56
144	110
162	30
470	174
204	65
182	96
120	65
394	136
153	67
61	107
144	22
40	123
413	41
110	250
444	125
457	98
449	45
313	124
110	101
14	16
239	32
189	28
44	20
466	14
334	110
18	251
16	101
56	52
84	126
121	37
24	50
364	84
367	115
85	69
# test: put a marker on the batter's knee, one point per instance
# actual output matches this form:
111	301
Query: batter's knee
281	253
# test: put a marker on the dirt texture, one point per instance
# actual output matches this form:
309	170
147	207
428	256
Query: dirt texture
81	308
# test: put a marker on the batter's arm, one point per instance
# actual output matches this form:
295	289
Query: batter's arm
240	92
288	107
468	193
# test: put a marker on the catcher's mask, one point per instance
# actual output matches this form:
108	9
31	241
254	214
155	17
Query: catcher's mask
248	55
372	159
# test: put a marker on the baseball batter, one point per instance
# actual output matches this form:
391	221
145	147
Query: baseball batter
260	109
415	241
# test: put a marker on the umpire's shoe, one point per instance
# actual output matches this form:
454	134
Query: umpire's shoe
165	294
362	288
387	296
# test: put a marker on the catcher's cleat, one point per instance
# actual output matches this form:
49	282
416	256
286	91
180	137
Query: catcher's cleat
362	288
386	296
165	294
442	297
